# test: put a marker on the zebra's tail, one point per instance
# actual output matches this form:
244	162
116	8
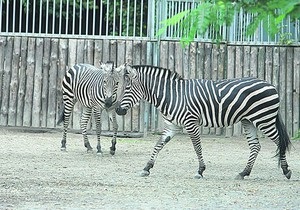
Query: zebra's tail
284	140
61	117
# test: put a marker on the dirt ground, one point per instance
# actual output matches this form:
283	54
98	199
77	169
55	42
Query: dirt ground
35	174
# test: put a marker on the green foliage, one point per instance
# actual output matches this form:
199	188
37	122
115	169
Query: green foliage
297	136
220	13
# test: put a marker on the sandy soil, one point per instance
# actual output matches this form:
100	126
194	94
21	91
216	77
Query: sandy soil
35	174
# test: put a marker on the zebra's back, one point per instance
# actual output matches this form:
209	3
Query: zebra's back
223	103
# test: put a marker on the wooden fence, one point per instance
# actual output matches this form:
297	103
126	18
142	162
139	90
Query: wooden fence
32	70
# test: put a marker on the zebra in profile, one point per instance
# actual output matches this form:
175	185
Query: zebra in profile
96	89
191	103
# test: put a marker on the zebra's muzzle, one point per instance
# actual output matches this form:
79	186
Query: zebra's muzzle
121	111
108	102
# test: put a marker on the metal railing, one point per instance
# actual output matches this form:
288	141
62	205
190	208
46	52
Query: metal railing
123	18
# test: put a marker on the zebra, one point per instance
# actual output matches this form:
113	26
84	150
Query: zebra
96	89
191	103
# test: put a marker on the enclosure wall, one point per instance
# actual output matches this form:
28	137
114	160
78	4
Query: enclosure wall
31	72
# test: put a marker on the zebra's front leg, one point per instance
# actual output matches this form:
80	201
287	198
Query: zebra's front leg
97	115
115	130
194	132
168	133
86	115
251	134
67	109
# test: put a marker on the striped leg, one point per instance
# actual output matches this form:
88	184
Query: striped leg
97	115
251	134
193	130
86	115
68	107
168	133
115	130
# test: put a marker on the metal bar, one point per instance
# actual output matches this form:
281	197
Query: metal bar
121	18
114	19
107	16
94	18
14	16
67	18
1	2
87	18
60	17
27	14
128	14
100	26
33	17
141	20
74	14
80	16
20	18
40	16
53	18
134	18
7	16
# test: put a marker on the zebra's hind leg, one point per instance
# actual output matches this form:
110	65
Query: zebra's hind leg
169	131
115	130
277	132
193	130
86	115
254	145
65	117
97	115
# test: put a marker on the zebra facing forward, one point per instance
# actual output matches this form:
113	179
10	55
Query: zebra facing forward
96	89
195	102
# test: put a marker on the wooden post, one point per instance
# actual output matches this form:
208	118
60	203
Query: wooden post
37	91
296	92
22	82
14	82
29	82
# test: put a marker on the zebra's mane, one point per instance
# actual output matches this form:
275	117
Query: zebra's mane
173	74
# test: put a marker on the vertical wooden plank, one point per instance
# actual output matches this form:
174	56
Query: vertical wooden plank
178	59
72	60
230	75
22	81
146	59
51	115
185	63
106	51
29	82
208	61
89	51
171	56
98	53
192	60
247	59
164	57
12	111
61	71
261	62
222	61
6	81
113	51
200	61
296	92
253	61
276	67
289	89
37	94
269	64
45	88
2	58
214	76
282	83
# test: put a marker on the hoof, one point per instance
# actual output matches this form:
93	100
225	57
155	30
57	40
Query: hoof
145	173
198	176
288	174
239	177
63	149
90	150
112	152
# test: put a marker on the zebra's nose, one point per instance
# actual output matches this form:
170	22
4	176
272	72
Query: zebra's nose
108	102
121	111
